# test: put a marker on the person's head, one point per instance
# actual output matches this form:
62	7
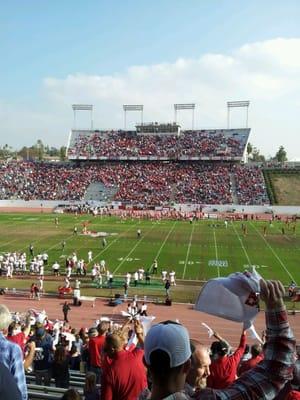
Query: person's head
219	349
92	332
113	344
256	350
200	362
5	318
167	354
71	394
103	327
90	382
14	328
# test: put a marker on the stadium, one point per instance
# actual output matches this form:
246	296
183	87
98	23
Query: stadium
192	193
129	210
149	248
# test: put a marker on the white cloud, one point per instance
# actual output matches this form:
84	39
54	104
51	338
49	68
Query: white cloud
266	73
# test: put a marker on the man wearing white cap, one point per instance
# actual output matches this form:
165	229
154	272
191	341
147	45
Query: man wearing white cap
168	357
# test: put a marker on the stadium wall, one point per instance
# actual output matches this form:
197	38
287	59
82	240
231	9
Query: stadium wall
42	205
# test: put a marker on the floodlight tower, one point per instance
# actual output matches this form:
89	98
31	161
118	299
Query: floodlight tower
82	107
185	106
132	107
237	104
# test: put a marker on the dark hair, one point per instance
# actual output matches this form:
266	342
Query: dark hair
219	347
71	394
90	382
255	350
11	328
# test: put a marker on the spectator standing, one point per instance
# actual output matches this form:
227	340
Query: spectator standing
256	357
60	368
8	387
199	371
75	357
43	357
124	376
223	370
95	347
90	391
11	354
167	356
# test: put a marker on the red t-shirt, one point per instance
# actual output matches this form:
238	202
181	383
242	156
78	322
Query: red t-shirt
95	347
125	378
19	339
249	364
223	371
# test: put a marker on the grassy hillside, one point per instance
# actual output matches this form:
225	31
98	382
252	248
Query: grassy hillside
283	186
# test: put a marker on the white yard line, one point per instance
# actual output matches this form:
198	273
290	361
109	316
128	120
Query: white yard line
242	244
164	242
275	254
111	243
188	251
6	243
216	250
132	250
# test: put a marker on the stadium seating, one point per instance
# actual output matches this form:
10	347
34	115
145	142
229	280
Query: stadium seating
137	183
201	144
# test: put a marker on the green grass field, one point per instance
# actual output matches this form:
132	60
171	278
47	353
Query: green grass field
197	251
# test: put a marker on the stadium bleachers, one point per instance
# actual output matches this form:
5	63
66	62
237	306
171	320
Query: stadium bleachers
219	144
137	183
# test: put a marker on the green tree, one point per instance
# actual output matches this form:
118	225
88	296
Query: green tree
256	156
40	150
249	148
281	155
62	153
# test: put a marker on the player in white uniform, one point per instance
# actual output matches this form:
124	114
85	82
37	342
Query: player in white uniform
90	256
127	278
141	274
69	271
172	278
41	284
9	272
164	275
102	266
55	268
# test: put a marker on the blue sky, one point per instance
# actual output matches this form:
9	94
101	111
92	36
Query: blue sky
57	39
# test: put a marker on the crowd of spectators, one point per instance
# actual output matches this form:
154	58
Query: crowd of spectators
250	185
114	144
127	362
148	183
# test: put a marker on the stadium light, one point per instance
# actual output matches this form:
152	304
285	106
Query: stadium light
82	107
132	107
185	106
237	104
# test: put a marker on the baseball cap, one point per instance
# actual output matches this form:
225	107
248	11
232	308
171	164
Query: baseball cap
40	332
170	337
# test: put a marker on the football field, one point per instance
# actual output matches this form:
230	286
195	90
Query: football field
197	251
